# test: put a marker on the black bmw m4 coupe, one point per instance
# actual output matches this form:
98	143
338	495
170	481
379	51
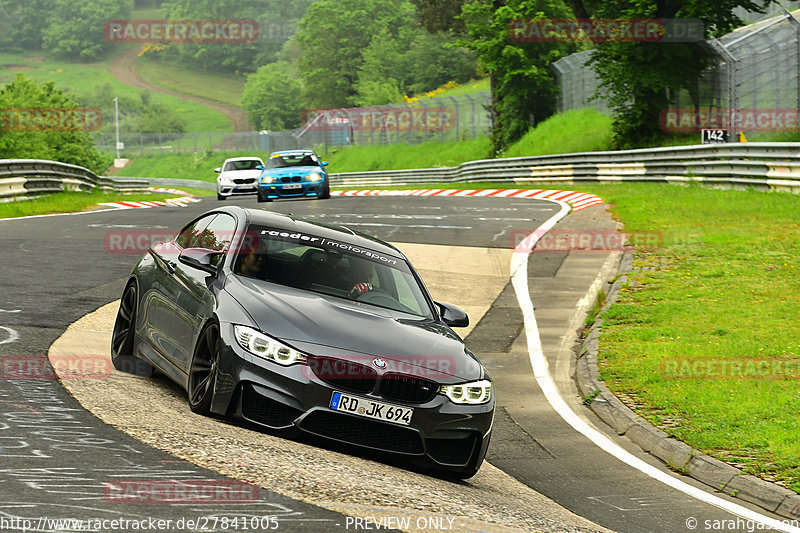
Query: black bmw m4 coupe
287	323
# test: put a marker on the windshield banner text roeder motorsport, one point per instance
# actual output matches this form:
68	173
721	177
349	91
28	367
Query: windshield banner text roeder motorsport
329	244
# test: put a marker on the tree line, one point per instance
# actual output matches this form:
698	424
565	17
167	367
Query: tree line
342	53
368	52
640	79
349	53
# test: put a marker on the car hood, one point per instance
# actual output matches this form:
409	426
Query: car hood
240	174
329	326
291	170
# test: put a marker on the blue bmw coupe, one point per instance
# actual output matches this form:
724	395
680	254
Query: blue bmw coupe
293	174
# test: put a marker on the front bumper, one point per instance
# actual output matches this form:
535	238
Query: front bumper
274	191
442	434
237	190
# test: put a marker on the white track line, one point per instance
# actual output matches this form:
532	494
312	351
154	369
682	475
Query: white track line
519	279
13	336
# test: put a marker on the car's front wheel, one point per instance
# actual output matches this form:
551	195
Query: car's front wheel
220	197
203	370
122	337
262	198
326	192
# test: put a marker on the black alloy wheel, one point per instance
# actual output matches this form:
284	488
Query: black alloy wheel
203	370
122	337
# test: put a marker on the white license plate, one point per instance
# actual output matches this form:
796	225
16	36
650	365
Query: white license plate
292	186
371	409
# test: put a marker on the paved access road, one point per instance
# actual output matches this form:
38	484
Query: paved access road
55	457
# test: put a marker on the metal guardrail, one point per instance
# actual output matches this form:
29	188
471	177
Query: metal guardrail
768	165
24	177
765	165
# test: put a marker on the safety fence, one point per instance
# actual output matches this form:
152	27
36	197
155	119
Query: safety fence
438	119
753	84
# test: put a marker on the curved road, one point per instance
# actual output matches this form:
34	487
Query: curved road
56	459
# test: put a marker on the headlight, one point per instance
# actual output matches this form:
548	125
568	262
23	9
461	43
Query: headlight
266	347
473	393
224	181
314	177
267	179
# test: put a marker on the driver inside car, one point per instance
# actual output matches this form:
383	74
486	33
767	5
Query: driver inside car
366	279
253	261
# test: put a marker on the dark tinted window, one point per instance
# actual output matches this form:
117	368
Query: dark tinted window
306	159
331	267
246	164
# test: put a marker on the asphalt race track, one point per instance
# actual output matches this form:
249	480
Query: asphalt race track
56	459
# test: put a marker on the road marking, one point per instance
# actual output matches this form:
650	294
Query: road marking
124	226
13	336
426	226
10	310
60	214
519	279
579	200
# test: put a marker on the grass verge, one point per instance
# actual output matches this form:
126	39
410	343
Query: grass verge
69	202
198	166
403	156
579	130
702	338
171	75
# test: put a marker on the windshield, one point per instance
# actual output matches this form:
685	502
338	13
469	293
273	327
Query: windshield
242	164
331	267
300	159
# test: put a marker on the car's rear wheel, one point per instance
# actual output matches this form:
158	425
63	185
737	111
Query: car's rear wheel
203	370
122	337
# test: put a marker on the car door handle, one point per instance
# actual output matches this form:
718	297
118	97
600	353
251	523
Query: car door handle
171	266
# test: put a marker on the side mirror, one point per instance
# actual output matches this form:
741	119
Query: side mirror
453	316
218	170
324	164
260	167
201	258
